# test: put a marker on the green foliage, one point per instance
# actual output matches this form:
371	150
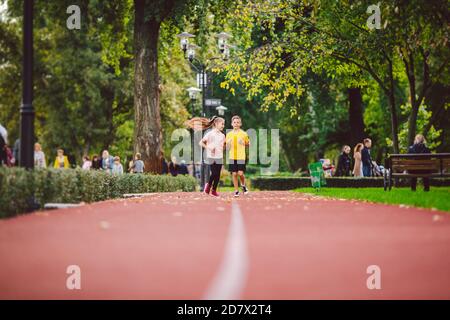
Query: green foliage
19	186
294	60
423	117
436	198
290	183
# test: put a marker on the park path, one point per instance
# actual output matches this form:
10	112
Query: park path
265	245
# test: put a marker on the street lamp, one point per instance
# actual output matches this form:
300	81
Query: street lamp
189	50
223	40
221	110
26	158
184	40
193	93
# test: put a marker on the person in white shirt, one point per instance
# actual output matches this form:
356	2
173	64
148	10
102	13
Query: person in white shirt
214	142
39	156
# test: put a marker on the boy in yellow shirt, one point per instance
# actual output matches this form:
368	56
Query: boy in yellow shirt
236	141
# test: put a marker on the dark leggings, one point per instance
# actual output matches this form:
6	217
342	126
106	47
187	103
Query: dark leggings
215	175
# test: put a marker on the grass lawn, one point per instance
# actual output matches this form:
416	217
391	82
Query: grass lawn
438	197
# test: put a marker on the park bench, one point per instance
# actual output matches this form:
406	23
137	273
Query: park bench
431	165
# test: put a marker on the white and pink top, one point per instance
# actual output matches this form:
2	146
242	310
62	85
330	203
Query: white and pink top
214	140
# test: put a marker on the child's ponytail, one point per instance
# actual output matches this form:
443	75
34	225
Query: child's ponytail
198	123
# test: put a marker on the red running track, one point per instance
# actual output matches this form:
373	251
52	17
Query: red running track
266	245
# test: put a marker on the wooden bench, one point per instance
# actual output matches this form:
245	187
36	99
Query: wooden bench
425	165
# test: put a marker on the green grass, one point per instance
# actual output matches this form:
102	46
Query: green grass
438	197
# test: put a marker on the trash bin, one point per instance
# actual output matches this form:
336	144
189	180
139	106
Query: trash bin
317	175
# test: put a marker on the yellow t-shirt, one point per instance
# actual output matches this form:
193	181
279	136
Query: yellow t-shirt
236	142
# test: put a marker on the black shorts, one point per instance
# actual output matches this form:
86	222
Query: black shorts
236	165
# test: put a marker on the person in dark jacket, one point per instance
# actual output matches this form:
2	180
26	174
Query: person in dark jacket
366	159
419	147
96	163
173	167
182	169
164	166
344	163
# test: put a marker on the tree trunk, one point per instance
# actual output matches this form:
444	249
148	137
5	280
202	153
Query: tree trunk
412	125
357	133
147	132
393	109
394	122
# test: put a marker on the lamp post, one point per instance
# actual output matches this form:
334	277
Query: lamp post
201	69
221	110
193	96
26	109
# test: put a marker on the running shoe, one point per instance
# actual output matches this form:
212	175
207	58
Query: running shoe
244	189
214	193
207	188
236	193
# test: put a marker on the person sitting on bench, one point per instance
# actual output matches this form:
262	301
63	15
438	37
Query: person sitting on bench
419	147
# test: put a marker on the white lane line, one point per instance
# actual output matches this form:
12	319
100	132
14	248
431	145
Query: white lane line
229	281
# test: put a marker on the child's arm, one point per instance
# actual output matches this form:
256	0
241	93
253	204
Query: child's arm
247	141
203	143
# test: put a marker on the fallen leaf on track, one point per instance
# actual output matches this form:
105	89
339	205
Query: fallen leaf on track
104	225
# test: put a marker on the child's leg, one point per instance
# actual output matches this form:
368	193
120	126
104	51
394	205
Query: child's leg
242	177
235	181
216	173
211	176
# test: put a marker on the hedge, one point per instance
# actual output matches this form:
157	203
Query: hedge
290	183
24	190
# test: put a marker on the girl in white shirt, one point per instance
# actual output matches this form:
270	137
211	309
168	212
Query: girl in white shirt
213	142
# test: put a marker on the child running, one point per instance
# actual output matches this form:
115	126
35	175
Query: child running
236	141
213	142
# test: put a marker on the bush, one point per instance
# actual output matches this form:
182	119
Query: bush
24	190
290	183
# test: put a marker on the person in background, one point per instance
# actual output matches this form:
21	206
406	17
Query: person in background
344	163
419	147
61	161
87	163
96	162
117	166
10	161
39	156
164	166
366	158
198	170
3	145
357	169
130	165
72	161
173	167
138	164
182	169
107	161
16	151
